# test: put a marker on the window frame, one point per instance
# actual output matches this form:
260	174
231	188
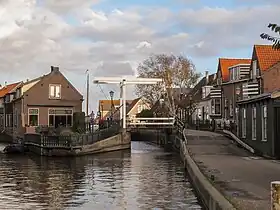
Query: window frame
66	109
55	95
254	69
254	123
264	122
38	120
243	123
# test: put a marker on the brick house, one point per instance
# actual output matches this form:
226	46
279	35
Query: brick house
50	100
106	107
264	68
271	79
207	106
233	75
6	108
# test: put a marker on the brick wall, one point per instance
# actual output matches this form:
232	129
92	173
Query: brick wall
271	79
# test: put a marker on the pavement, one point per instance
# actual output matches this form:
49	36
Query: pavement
243	178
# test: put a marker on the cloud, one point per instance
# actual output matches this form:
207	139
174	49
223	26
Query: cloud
63	6
216	29
76	36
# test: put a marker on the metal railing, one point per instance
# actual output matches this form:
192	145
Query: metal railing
72	140
167	121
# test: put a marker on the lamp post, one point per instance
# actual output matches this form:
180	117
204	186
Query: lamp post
189	110
112	104
101	104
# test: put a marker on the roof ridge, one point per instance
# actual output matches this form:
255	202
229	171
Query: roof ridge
235	58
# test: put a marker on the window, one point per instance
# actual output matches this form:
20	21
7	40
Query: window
203	92
60	117
254	123
230	108
9	120
16	118
33	117
140	108
216	106
264	123
243	123
254	70
55	91
237	119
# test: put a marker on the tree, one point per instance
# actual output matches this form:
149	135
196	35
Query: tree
146	113
276	40
176	72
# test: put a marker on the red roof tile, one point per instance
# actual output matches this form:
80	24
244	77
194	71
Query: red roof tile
225	63
267	56
6	89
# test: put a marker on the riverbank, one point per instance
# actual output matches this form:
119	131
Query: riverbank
229	173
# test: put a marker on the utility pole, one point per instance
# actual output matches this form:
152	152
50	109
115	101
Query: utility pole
87	93
123	82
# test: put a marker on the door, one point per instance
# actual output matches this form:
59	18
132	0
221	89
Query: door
277	131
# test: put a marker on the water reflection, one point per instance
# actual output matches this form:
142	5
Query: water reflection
143	178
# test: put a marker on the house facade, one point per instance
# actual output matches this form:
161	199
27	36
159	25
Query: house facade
259	123
6	108
50	100
207	99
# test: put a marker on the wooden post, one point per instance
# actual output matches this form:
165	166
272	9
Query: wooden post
275	195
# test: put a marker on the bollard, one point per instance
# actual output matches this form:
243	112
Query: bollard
275	195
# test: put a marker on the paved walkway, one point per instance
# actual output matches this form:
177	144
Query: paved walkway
242	177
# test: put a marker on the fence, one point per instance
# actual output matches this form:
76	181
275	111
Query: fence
72	140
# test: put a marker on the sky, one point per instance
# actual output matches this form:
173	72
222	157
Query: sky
110	38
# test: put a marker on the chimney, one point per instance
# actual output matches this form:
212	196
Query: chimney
0	86
27	80
207	76
54	69
5	84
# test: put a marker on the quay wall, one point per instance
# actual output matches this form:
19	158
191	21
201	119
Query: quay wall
208	194
120	141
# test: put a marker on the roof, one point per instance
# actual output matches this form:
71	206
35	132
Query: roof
132	104
196	93
8	88
107	104
267	56
272	95
225	63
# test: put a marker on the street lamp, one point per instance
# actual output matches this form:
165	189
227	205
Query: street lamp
112	103
101	104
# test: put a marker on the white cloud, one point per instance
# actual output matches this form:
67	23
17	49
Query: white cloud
37	34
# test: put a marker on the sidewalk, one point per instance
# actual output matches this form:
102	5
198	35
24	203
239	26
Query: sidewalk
240	176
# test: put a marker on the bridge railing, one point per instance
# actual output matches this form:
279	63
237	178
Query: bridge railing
72	140
167	121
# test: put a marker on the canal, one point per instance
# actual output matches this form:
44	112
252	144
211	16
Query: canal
144	178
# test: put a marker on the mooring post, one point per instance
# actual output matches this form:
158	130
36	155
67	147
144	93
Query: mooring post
275	195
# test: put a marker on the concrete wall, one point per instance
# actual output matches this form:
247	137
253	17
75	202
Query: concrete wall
209	195
114	143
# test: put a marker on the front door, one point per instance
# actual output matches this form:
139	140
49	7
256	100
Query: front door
277	132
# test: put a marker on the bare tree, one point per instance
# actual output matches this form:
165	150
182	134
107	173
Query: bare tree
176	72
276	40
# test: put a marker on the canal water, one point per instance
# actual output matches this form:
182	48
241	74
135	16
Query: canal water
144	178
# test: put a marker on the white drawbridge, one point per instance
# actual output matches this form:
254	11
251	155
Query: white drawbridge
123	82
